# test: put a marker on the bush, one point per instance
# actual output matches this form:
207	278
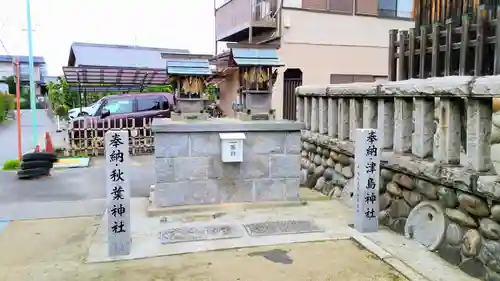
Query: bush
11	165
7	102
62	110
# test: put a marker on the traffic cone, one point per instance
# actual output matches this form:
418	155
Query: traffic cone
37	148
49	147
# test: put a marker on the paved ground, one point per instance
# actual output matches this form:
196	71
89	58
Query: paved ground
74	184
8	134
55	250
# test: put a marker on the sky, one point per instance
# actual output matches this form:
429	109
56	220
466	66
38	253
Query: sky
154	23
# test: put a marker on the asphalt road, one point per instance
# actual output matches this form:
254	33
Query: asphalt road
8	134
74	184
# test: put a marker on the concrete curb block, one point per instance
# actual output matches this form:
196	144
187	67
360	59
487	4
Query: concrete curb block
4	223
388	258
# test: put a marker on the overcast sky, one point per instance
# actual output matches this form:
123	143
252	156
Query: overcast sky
57	23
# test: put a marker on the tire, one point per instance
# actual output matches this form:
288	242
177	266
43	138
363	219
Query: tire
39	156
36	164
33	173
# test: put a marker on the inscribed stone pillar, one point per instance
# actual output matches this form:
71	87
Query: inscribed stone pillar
333	117
118	192
343	118
355	117
369	113
314	114
449	131
300	108
307	112
403	124
423	136
385	120
479	119
366	180
323	116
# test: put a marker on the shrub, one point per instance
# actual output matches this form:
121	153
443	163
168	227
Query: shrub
6	104
62	110
11	165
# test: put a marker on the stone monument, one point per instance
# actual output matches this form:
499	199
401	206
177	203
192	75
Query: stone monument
118	192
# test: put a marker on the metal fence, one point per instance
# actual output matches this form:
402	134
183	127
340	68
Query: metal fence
86	136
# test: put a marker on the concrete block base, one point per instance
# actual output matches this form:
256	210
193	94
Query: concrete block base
254	117
189	116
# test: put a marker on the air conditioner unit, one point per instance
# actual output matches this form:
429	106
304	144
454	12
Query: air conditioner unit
287	23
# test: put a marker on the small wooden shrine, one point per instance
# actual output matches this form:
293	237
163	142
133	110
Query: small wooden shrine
188	75
257	75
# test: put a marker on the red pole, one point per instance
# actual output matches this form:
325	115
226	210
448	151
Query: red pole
18	106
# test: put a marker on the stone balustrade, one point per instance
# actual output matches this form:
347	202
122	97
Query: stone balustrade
438	183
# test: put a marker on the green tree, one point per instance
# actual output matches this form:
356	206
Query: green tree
11	82
159	88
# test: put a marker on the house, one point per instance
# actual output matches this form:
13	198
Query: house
93	54
7	68
319	41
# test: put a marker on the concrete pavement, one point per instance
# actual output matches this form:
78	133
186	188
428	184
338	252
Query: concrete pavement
8	134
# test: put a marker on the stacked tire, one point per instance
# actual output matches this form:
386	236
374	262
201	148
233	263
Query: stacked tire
36	165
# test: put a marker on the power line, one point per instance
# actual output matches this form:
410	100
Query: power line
5	48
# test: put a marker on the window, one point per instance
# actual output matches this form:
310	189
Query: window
347	78
120	106
395	8
149	103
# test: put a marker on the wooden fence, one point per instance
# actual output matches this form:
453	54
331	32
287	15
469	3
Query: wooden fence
87	138
429	12
466	47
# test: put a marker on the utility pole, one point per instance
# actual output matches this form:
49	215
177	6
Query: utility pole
32	74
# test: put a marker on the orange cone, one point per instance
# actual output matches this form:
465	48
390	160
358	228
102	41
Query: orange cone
37	148
49	147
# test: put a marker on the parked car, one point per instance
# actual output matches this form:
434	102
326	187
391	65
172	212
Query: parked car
84	111
126	109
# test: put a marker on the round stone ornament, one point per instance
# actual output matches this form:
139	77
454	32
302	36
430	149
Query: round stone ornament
426	224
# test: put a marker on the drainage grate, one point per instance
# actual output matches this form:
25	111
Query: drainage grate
282	227
199	233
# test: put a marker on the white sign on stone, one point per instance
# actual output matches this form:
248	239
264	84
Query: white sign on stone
366	179
118	192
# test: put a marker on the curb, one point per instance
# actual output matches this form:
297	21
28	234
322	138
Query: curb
4	223
406	270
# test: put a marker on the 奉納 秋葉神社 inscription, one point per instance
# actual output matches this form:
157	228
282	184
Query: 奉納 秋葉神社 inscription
367	173
118	192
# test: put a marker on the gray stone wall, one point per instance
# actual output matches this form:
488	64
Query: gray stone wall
189	169
459	220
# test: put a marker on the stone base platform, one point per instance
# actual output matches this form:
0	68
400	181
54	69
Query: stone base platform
189	116
207	231
254	117
306	195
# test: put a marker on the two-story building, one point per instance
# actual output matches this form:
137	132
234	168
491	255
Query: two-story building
7	68
320	41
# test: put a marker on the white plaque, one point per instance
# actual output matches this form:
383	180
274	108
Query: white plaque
118	192
366	179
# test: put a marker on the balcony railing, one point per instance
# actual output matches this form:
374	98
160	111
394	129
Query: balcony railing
236	16
265	11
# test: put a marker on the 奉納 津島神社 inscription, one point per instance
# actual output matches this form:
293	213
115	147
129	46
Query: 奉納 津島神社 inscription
367	173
